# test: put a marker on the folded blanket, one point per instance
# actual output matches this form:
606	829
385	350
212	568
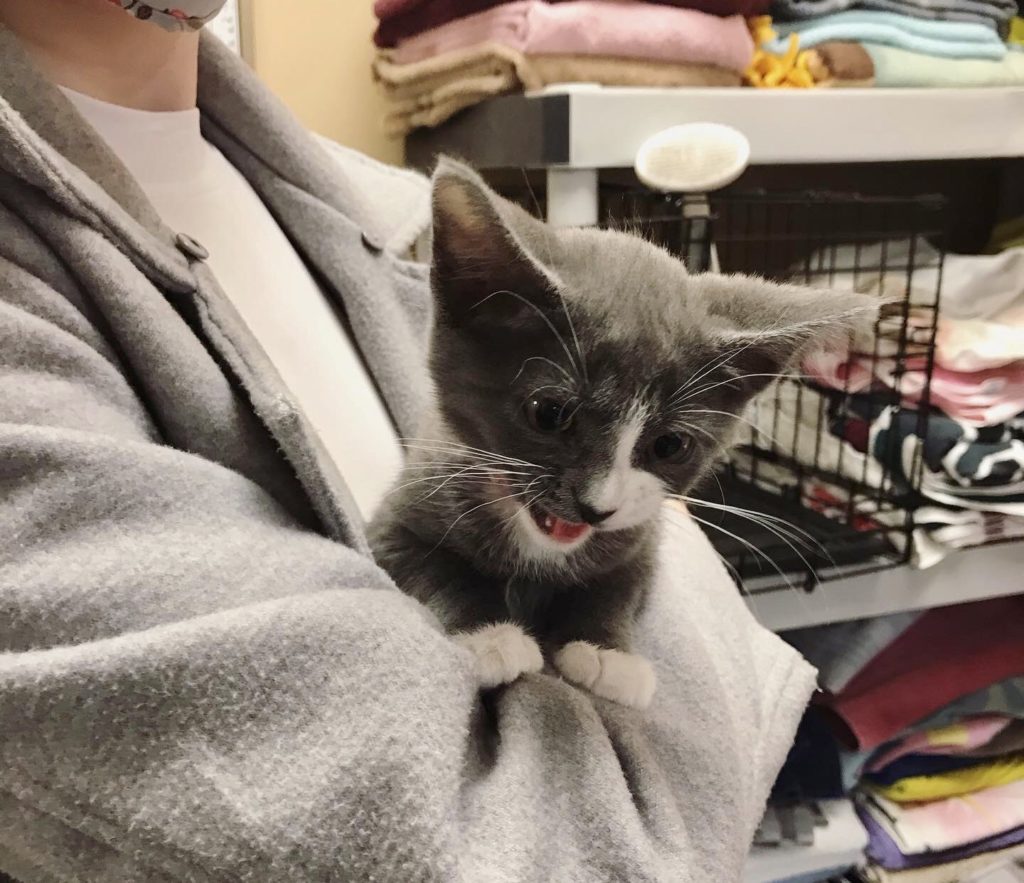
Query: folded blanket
593	27
913	765
980	344
1003	698
899	68
982	320
842	64
942	38
426	93
992	13
401	19
929	834
974	398
939	530
947	653
964	466
952	870
956	738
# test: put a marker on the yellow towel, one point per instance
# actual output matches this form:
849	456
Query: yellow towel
1000	771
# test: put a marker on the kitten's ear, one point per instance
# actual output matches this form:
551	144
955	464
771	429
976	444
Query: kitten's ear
769	328
482	274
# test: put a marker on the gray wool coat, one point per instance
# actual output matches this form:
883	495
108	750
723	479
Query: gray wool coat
203	674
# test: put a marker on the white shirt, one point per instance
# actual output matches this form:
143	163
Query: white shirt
197	191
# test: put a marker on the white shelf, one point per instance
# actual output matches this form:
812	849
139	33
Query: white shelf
607	125
839	844
582	126
970	575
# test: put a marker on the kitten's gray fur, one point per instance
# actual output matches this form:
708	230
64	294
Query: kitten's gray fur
617	323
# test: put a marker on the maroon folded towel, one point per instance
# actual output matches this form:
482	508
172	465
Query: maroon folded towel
400	19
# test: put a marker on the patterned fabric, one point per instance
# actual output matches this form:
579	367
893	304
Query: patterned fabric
965	466
955	738
188	15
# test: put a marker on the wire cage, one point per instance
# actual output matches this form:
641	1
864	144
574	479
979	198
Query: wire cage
822	484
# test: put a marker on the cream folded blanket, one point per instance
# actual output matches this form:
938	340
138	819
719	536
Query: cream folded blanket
426	93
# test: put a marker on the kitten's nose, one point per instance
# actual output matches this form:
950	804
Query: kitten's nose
591	515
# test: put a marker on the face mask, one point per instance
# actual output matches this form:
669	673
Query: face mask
185	15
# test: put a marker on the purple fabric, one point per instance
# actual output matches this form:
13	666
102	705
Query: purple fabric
884	851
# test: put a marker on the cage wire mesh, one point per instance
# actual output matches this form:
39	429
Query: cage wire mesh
826	494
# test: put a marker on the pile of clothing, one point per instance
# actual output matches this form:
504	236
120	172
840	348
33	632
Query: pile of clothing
436	57
912	43
954	451
920	724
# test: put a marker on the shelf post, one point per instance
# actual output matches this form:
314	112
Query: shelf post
572	197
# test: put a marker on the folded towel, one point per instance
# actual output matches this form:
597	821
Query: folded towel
977	344
988	397
943	38
955	782
842	64
921	834
426	93
945	654
899	68
992	13
960	737
401	19
593	27
951	869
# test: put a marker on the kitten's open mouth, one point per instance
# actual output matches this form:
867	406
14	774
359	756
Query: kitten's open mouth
558	529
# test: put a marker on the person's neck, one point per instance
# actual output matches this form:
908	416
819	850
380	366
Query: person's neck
94	48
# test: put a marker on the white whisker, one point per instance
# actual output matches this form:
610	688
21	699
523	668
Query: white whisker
451	526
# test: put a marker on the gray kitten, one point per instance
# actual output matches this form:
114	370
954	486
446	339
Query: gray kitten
582	377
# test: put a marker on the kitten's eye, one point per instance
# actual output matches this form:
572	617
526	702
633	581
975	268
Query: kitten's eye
549	415
672	446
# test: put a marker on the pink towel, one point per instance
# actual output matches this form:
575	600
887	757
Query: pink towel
946	654
593	27
947	824
976	398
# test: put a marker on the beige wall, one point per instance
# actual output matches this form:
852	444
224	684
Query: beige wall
315	54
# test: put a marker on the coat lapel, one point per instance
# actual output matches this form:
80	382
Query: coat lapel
328	218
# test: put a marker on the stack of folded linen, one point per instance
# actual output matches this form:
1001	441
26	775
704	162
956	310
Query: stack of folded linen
434	59
966	428
921	721
913	43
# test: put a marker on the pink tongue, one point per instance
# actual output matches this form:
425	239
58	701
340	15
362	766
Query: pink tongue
561	530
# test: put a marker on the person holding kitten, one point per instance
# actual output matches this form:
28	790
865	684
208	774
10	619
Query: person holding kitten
213	353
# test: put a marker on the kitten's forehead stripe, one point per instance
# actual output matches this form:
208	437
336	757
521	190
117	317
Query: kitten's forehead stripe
609	490
629	434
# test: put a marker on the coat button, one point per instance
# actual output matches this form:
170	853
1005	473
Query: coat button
188	246
371	245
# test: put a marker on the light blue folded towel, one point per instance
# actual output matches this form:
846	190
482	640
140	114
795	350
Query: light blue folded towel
947	39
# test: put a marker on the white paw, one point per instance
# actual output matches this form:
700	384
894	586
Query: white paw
503	652
613	674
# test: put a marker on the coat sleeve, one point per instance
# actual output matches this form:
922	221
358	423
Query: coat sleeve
192	687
